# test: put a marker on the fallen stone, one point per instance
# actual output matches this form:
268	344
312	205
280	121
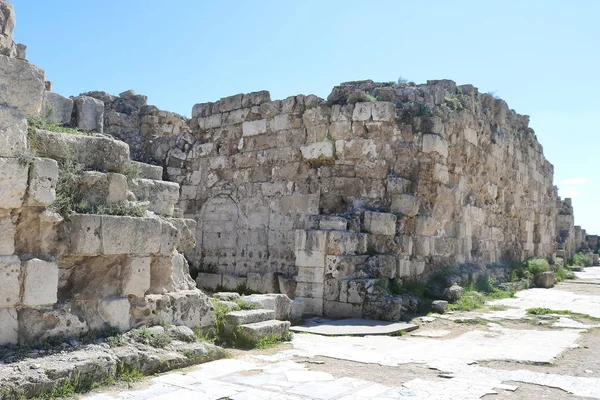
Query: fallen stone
439	306
258	330
545	280
453	292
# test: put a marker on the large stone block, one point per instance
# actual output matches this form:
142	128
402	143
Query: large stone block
90	114
337	309
8	231
310	274
114	312
253	128
13	132
380	223
10	285
206	280
38	324
311	306
21	85
94	152
43	176
13	182
405	204
170	274
435	143
162	195
40	282
232	282
191	308
384	111
318	151
148	171
9	326
426	226
135	277
187	232
85	234
130	235
309	240
62	107
342	242
343	266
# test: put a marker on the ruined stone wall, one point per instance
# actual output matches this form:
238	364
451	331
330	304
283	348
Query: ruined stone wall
464	175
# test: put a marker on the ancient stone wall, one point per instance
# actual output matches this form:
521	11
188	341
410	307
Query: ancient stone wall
93	266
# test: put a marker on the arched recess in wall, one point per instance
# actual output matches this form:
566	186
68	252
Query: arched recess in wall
219	221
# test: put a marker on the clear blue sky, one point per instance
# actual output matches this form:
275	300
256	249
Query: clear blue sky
542	57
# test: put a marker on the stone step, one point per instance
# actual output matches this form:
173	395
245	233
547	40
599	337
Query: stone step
243	317
259	330
148	171
162	195
279	303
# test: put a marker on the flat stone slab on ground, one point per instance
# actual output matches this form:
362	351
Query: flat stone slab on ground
352	326
431	333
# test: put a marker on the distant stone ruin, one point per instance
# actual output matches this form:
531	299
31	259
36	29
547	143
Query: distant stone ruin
318	199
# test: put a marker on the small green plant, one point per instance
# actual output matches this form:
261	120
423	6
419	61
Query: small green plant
125	373
425	110
45	120
241	304
130	170
471	321
563	273
547	311
498	308
150	338
453	103
537	265
580	259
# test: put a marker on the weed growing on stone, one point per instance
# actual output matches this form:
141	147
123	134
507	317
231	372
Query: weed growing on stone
580	259
242	304
271	340
130	170
471	321
361	97
498	308
548	311
563	273
151	338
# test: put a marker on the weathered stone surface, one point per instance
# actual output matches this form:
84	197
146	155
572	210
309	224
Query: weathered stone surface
9	326
259	330
94	152
130	235
136	277
206	280
545	280
114	312
162	195
380	223
232	282
43	175
405	204
40	282
10	287
237	318
170	274
386	308
148	171
90	114
8	231
296	310
21	85
13	132
62	107
434	143
439	306
453	293
13	182
318	151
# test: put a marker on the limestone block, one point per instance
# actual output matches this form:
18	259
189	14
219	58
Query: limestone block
296	310
13	182
471	136
310	258
406	204
318	151
169	238
397	184
9	326
10	287
282	306
256	98
310	240
170	274
162	195
187	232
62	107
380	223
343	242
417	268
262	283
309	290
426	226
232	282
435	143
85	234
404	268
382	266
135	277
13	132
358	289
230	103
362	111
287	286
114	312
40	282
384	111
440	174
329	222
94	152
331	289
147	171
311	306
22	85
117	188
90	114
337	309
386	308
130	235
343	266
297	203
206	280
39	324
253	128
43	175
8	231
310	274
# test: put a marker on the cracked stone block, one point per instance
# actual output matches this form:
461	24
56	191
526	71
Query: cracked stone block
380	223
40	282
129	235
253	128
13	132
115	313
10	287
318	151
9	326
38	324
13	182
405	204
90	114
435	143
162	195
170	274
8	231
23	85
62	107
43	176
342	242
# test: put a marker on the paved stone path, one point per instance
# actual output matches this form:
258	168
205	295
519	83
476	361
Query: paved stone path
455	357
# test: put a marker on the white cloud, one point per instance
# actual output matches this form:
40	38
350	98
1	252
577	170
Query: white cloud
575	181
